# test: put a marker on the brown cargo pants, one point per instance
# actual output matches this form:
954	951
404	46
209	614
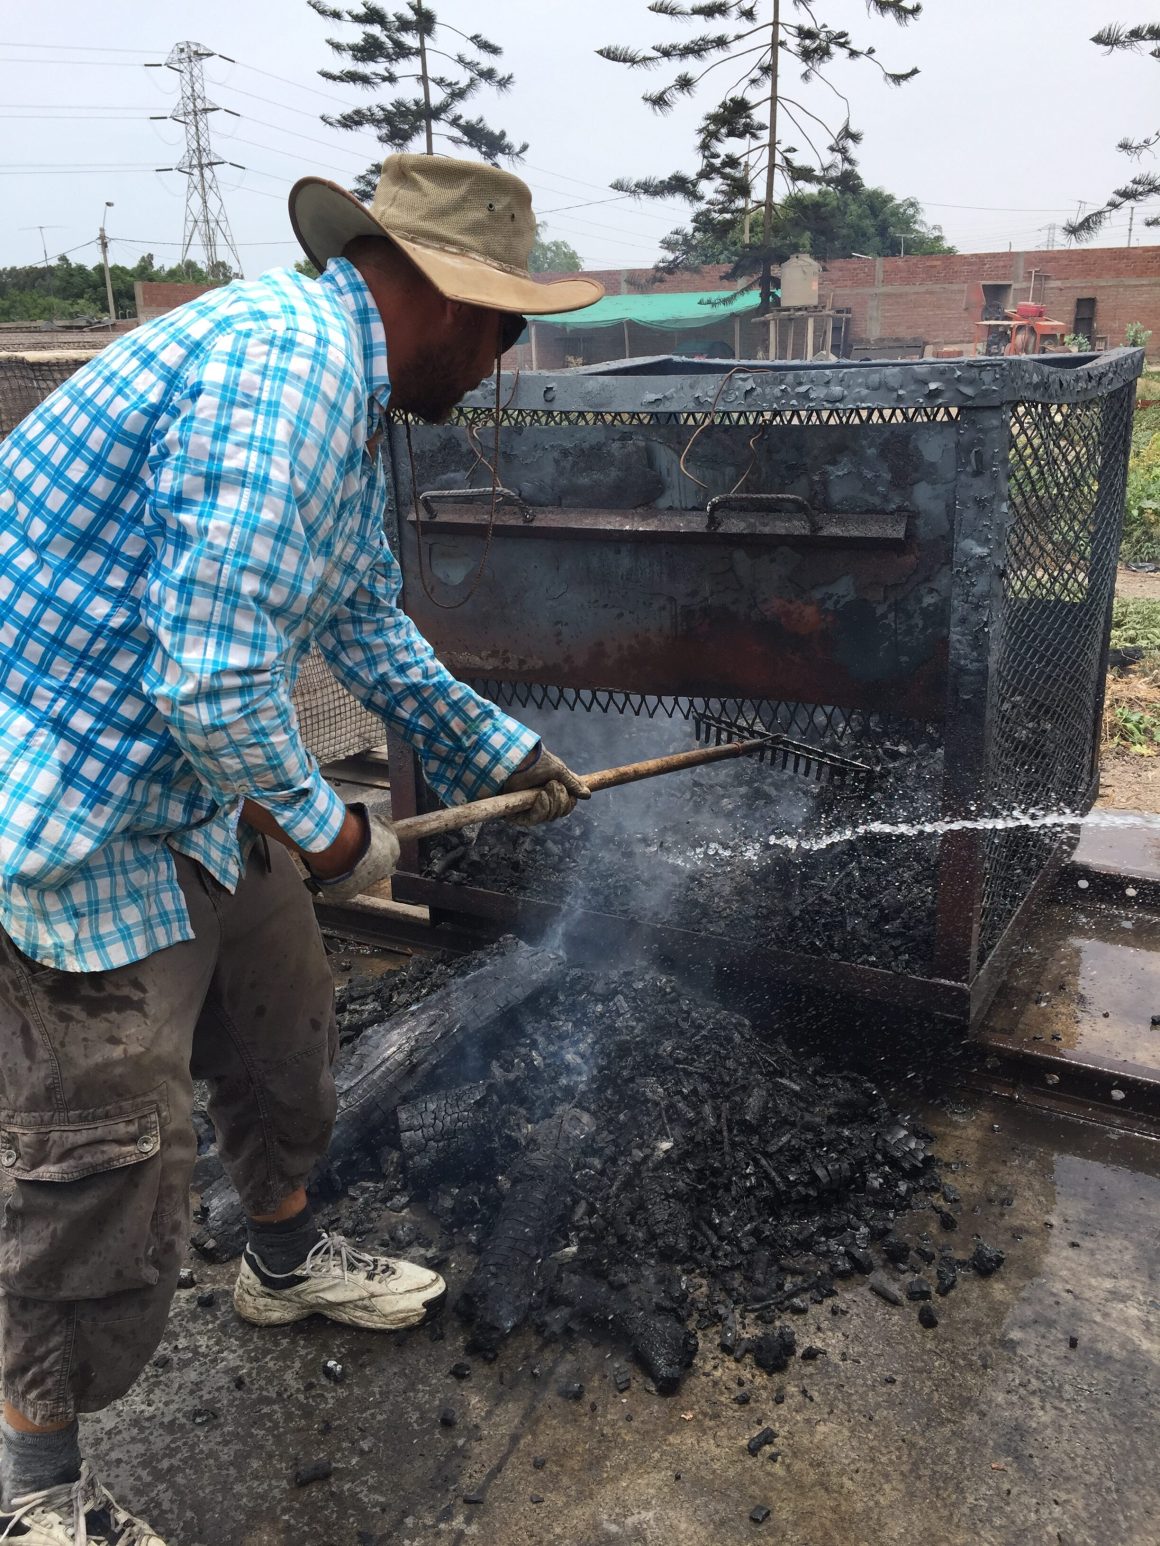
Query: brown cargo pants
96	1137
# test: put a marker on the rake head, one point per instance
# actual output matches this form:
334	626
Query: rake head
787	755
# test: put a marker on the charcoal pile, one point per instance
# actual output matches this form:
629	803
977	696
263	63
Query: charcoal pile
698	857
628	1159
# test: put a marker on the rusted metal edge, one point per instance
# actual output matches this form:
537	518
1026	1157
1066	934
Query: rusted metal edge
1084	1082
989	978
1111	883
1078	1108
873	528
393	929
532	916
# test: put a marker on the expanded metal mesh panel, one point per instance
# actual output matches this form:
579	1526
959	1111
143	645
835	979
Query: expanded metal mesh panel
554	417
1066	477
333	724
27	379
824	726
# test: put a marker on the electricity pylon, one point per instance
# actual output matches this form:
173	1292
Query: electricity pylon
205	213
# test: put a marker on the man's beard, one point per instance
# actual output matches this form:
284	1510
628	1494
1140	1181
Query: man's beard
431	390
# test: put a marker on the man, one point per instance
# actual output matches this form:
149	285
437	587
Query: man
179	522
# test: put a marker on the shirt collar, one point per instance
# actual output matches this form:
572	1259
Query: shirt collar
354	293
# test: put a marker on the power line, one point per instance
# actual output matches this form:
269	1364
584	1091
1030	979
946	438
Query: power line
78	48
96	64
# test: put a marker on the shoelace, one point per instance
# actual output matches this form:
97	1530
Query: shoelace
79	1498
334	1250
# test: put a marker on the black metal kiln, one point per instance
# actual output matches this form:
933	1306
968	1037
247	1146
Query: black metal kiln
850	552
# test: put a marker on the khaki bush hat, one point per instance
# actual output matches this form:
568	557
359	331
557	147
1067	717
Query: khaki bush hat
467	226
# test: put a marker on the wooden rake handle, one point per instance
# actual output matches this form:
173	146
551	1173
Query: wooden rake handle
456	817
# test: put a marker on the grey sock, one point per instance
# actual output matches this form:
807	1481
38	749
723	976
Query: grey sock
32	1462
283	1247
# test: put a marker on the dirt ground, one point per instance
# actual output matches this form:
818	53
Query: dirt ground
1130	781
1134	586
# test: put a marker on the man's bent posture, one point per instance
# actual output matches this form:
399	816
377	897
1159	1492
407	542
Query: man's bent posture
179	523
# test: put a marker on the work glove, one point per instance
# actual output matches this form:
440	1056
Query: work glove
378	859
560	789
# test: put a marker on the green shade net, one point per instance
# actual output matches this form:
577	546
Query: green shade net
675	310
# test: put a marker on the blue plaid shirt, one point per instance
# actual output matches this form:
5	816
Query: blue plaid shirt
179	522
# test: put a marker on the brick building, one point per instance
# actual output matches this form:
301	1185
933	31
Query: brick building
928	304
155	297
1095	291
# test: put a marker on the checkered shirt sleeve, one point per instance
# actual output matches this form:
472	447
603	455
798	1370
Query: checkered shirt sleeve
467	746
239	478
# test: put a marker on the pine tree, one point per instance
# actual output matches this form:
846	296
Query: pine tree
1145	185
742	144
403	45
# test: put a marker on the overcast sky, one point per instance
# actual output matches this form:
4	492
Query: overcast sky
1012	121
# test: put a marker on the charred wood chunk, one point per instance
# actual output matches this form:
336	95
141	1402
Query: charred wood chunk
986	1259
501	1290
773	1351
662	1346
387	1062
453	1132
661	1343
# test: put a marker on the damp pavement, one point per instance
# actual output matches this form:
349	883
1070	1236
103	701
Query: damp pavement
1027	1415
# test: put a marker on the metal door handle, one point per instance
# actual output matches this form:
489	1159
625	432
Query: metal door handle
433	498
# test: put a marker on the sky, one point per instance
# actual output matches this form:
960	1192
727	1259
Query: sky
1011	123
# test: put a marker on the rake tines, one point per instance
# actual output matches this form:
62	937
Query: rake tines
790	756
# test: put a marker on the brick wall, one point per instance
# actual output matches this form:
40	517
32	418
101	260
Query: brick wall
155	297
938	298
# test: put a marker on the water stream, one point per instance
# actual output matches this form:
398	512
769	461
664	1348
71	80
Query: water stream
1014	819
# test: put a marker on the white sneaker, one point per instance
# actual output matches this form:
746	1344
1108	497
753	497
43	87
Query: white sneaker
81	1513
342	1283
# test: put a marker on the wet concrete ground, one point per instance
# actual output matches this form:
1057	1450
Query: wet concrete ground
990	1428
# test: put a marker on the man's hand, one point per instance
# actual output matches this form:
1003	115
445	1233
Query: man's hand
342	871
560	787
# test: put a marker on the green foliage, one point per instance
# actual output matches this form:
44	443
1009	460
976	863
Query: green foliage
1136	730
32	293
1077	341
824	223
1144	186
1135	623
304	266
1142	510
397	46
553	257
744	140
1136	335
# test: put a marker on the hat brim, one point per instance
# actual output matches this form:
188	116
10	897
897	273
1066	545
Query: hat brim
325	217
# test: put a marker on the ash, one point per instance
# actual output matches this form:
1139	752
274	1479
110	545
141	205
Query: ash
630	1160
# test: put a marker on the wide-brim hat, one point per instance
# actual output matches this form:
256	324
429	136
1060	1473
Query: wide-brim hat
466	226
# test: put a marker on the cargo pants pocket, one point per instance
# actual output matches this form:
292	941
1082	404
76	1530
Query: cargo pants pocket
81	1221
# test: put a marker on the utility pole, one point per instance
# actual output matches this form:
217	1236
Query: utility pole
1131	223
104	241
205	214
47	265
